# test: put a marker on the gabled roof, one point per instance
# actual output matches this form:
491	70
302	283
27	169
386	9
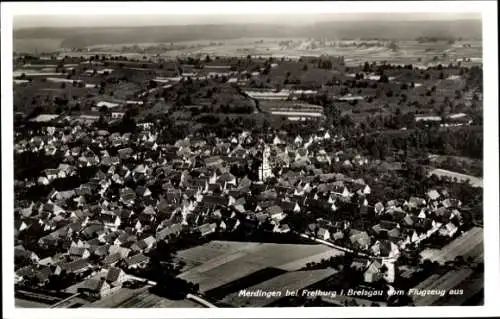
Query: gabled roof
137	259
275	209
433	194
207	229
113	274
214	200
93	285
77	251
171	230
76	265
110	259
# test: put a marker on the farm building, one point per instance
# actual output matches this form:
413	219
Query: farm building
268	95
45	118
292	110
428	118
109	105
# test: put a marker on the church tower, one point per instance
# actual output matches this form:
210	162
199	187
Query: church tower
265	170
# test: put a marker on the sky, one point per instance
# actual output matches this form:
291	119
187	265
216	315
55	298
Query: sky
120	20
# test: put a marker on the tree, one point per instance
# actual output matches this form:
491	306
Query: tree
383	78
103	110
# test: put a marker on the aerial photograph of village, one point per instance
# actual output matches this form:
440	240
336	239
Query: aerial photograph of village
335	162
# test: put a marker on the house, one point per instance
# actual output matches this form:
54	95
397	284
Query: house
112	259
77	266
433	195
78	253
360	239
364	190
143	191
136	261
149	241
172	230
116	277
46	261
100	251
143	244
95	288
281	228
127	196
340	190
448	230
40	275
20	225
379	208
385	248
338	235
24	273
373	272
416	202
124	238
42	180
207	229
122	251
323	234
125	153
276	213
110	221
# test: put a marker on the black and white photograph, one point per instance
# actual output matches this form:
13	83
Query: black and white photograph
271	156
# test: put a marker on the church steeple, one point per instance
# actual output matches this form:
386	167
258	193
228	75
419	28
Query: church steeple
265	170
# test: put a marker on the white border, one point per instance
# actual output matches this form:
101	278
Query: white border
491	218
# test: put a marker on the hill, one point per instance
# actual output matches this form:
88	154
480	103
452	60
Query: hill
398	30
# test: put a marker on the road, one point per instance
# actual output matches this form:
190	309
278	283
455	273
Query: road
200	300
329	244
56	305
348	250
38	296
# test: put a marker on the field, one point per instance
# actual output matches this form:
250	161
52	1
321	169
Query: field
289	281
407	52
33	45
474	181
139	298
460	164
23	303
469	244
219	263
448	281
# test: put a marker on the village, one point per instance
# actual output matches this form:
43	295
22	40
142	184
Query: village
137	196
214	181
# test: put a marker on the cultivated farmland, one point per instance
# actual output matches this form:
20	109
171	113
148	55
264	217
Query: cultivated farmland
220	263
290	281
469	244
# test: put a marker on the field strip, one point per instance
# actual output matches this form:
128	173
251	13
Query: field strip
213	263
224	275
297	264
